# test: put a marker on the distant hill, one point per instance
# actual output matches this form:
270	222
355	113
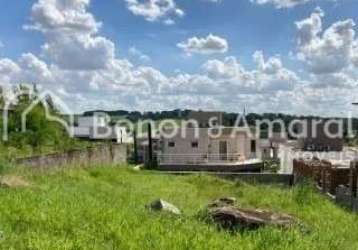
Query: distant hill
228	118
136	115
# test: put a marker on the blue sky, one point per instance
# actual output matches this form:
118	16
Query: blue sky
152	46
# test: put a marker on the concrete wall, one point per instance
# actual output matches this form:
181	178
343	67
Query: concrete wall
253	178
263	178
257	167
103	154
232	146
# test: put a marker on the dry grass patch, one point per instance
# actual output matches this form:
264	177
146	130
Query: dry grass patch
13	181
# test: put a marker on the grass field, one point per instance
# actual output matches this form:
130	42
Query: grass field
10	152
104	208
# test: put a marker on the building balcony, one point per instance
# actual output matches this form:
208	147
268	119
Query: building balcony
217	163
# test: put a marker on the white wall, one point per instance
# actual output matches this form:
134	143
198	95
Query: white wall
239	145
81	132
121	134
183	145
91	121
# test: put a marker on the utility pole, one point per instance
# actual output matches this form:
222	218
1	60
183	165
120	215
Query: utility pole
150	143
135	146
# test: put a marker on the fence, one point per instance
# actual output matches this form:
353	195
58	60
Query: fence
99	155
340	182
195	159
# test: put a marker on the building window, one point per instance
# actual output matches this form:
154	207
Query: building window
195	144
253	146
171	144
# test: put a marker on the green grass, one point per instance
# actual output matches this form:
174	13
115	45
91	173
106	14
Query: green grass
8	153
104	208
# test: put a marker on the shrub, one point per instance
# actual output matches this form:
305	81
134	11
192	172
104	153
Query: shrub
151	165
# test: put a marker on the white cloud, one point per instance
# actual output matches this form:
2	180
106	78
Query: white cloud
330	57
169	22
309	28
268	76
34	67
8	69
226	69
155	10
326	51
272	66
137	54
71	34
355	53
83	52
342	80
280	4
66	16
207	45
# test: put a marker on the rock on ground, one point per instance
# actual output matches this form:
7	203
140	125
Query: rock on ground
161	205
228	216
138	167
227	201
